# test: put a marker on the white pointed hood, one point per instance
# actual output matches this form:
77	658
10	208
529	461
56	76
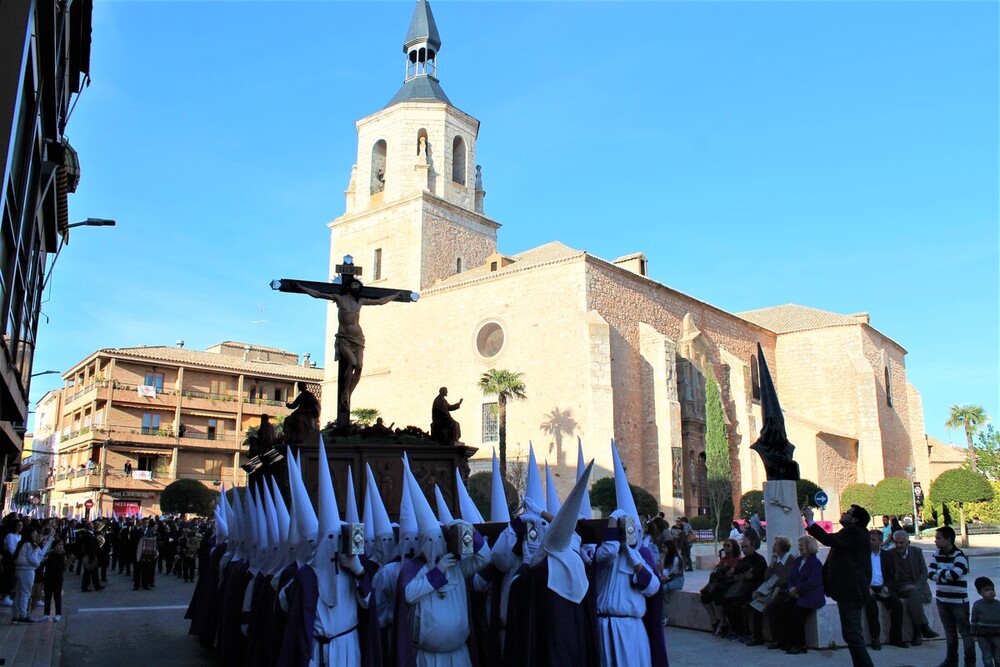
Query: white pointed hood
306	524
586	512
271	520
499	512
221	527
444	514
533	493
552	503
351	515
369	521
430	537
567	575
466	506
326	560
626	502
385	541
284	525
408	528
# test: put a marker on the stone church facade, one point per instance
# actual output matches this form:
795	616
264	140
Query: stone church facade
604	351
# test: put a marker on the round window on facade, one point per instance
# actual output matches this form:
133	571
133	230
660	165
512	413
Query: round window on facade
489	340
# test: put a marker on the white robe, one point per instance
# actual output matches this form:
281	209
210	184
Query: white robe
384	586
342	620
622	637
439	618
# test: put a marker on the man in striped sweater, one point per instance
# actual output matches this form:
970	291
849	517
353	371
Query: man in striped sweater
948	569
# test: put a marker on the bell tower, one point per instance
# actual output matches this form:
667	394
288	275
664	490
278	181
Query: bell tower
414	204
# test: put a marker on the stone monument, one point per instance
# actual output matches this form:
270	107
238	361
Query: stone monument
781	508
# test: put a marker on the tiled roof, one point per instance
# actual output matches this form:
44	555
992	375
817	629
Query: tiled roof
419	89
543	254
791	317
184	356
240	344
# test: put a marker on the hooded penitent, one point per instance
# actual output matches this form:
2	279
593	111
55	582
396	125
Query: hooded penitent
385	540
221	526
369	522
585	510
444	514
351	513
274	557
306	522
551	494
284	526
407	522
534	497
431	542
466	507
499	512
623	493
567	575
326	560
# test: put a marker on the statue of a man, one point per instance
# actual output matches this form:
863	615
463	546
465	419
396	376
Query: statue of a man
350	338
304	418
444	428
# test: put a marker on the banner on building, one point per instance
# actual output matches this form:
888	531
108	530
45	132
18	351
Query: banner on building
147	390
142	474
125	508
677	455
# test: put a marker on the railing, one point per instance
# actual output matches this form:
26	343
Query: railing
263	401
187	393
73	434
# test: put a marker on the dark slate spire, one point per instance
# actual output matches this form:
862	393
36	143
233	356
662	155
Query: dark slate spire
422	28
421	46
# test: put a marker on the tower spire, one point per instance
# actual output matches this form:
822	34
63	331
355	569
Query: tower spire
421	46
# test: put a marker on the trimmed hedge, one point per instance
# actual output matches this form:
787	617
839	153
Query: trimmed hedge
604	498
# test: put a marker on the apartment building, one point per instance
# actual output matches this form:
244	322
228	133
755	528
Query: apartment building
44	66
135	419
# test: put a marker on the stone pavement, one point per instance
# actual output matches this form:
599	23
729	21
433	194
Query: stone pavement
29	645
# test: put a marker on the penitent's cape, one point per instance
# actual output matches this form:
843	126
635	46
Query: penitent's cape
651	620
204	608
232	643
545	629
262	603
302	596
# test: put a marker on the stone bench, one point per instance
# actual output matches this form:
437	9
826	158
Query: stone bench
685	610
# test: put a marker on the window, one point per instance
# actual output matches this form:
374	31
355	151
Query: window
493	266
154	380
754	378
458	161
888	387
378	167
491	422
458	265
279	394
213	468
213	427
150	423
490	340
377	265
253	393
147	463
219	389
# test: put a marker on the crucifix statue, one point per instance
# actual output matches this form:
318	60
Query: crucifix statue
349	294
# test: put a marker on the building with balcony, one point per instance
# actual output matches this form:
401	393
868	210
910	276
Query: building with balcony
44	65
135	419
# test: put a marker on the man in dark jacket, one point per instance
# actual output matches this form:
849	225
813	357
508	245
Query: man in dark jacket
847	574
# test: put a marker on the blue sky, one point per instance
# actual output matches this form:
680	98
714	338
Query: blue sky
842	156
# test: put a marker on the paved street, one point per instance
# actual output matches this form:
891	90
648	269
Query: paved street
117	626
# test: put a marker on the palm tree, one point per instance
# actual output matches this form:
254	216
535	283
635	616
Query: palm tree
971	418
556	424
505	385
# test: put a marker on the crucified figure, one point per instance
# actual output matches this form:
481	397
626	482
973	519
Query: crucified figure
350	347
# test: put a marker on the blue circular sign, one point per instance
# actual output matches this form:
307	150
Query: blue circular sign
821	499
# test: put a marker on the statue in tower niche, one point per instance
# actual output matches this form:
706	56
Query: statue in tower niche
350	295
773	447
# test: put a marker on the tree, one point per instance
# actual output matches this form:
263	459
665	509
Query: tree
604	498
988	453
861	494
480	488
987	511
366	416
805	492
187	496
893	496
717	462
961	486
506	386
752	501
971	418
557	423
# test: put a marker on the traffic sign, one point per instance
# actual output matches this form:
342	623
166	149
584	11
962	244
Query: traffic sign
821	499
89	503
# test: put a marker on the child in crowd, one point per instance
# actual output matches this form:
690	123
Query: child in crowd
986	622
54	568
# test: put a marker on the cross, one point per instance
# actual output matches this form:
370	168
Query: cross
347	291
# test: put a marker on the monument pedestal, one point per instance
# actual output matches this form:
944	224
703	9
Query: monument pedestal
781	511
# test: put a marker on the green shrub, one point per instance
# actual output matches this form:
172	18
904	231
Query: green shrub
752	501
862	495
703	522
893	496
986	511
480	487
962	486
604	498
187	496
805	491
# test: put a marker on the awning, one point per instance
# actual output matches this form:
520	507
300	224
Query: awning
205	413
140	450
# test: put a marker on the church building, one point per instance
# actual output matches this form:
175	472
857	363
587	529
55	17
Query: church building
604	350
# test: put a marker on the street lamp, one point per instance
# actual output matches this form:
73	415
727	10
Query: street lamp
911	473
34	375
64	240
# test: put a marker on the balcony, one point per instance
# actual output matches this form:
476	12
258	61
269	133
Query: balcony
85	392
117	480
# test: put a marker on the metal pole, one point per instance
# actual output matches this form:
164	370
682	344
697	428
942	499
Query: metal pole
916	519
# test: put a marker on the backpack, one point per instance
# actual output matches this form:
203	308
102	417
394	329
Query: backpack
148	552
